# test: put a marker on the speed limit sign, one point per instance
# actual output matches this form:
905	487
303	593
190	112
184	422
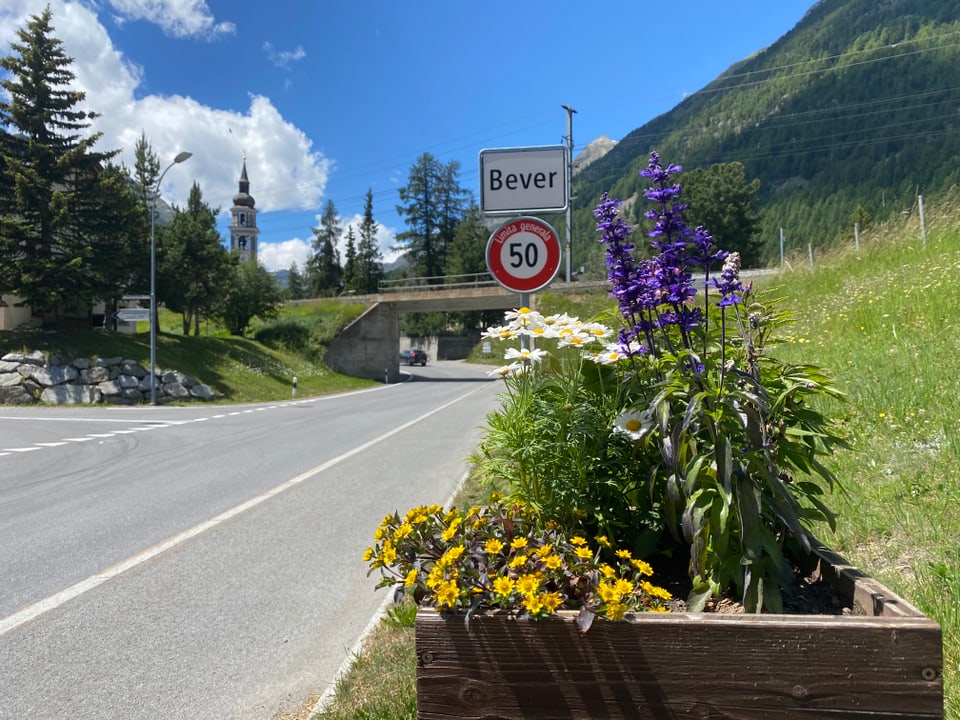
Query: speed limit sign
523	254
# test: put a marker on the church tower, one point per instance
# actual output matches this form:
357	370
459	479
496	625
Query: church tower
243	220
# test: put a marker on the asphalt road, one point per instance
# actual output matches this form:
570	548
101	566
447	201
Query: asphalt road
205	562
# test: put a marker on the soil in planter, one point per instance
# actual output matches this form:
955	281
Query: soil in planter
809	594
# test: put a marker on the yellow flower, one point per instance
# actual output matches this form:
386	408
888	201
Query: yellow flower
533	603
519	543
527	584
608	592
447	594
544	550
624	554
643	567
607	571
577	540
553	562
367	554
518	561
435	578
583	553
503	586
493	546
401	532
624	587
551	601
411	578
452	529
616	611
415	515
655	591
603	541
389	554
450	556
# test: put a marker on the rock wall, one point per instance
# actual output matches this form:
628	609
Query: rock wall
34	377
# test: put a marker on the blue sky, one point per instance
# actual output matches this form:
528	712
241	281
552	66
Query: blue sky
329	98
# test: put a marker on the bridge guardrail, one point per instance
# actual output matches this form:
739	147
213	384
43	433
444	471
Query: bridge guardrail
437	282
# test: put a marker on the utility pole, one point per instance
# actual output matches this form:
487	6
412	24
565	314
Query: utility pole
569	139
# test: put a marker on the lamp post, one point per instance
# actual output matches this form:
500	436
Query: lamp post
153	277
569	178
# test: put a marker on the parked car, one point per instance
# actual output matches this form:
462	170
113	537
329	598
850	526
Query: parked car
413	357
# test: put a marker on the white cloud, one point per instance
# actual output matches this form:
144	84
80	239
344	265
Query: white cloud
283	58
178	18
285	172
281	255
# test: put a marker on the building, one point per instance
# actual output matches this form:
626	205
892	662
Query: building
243	220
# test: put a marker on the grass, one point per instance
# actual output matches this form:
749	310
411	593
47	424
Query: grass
886	323
243	369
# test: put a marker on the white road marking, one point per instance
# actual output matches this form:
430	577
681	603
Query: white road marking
35	610
149	424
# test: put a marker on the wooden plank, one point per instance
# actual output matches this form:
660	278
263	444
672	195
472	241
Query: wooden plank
678	665
885	661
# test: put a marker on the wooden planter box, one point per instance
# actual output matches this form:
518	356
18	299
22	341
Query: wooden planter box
882	661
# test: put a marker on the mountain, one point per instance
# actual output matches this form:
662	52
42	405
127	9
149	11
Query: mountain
592	152
855	109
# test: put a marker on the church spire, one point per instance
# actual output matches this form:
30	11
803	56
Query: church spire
243	226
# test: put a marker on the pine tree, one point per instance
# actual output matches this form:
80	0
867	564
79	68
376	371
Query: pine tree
296	283
351	272
433	204
192	262
721	199
369	257
48	175
146	170
324	270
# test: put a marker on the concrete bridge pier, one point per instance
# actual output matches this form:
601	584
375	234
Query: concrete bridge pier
368	346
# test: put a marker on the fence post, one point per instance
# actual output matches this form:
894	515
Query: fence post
781	247
810	252
856	236
923	224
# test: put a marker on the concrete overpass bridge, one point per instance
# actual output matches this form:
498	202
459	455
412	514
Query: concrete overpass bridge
369	346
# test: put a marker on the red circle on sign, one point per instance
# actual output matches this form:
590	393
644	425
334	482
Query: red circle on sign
523	254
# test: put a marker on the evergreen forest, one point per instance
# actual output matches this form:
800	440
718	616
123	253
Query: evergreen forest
847	118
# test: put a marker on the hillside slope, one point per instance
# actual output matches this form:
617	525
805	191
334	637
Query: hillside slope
857	105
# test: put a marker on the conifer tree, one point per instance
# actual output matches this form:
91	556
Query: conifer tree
296	283
351	273
324	269
369	257
49	186
432	206
192	262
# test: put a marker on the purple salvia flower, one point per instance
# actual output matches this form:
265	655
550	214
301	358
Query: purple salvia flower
729	284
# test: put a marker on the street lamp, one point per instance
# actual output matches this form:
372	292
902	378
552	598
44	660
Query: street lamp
569	138
153	277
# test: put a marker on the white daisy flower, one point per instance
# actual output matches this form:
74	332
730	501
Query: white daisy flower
525	355
501	371
523	317
631	424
